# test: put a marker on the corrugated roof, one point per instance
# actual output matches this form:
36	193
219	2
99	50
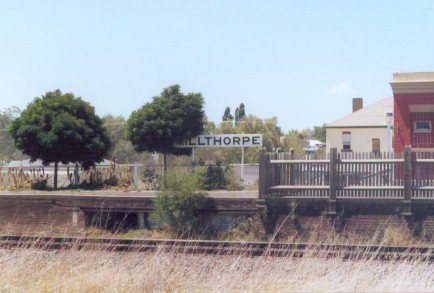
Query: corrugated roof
371	116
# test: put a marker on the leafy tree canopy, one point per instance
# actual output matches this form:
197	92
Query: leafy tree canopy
7	150
269	129
116	127
121	149
319	132
240	112
171	117
116	130
61	128
227	116
124	153
209	126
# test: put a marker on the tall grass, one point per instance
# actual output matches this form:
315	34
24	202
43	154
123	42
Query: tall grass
19	178
34	270
99	270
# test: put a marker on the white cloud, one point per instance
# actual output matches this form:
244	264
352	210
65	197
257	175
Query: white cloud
341	89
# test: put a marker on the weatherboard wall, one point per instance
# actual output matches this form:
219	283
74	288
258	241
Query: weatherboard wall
361	138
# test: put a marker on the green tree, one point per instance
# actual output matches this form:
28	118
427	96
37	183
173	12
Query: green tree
61	128
240	113
169	119
271	134
209	126
124	153
214	177
226	127
319	132
291	142
227	116
116	131
269	129
121	149
116	127
8	151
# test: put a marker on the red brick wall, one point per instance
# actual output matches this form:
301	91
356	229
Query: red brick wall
402	116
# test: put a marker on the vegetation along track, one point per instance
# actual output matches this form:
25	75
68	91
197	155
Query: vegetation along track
248	249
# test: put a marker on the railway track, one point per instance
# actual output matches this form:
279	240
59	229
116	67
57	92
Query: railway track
248	249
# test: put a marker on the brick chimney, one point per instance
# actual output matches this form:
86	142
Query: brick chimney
357	104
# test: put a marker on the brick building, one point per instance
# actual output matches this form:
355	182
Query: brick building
413	107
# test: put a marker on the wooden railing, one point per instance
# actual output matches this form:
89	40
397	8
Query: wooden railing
404	176
422	140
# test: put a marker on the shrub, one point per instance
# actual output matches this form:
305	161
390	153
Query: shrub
214	178
177	203
110	177
39	184
246	229
150	179
233	182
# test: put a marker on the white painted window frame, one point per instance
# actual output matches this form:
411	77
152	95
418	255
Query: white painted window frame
423	130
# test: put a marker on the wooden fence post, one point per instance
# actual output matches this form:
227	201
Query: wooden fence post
291	169
333	181
408	175
136	174
263	174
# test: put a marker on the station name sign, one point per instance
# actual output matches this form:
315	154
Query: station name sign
222	140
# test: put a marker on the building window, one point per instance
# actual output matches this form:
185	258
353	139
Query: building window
422	126
346	141
376	146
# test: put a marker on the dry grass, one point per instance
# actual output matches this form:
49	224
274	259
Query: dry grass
98	271
31	270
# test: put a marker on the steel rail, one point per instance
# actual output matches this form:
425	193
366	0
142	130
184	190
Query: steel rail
215	247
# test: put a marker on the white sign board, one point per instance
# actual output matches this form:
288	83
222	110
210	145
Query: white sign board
222	140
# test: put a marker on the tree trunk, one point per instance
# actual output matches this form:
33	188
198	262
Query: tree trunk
164	165
55	175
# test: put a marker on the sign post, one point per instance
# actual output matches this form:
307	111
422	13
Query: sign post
242	163
193	161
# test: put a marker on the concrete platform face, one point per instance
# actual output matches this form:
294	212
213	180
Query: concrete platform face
119	194
27	211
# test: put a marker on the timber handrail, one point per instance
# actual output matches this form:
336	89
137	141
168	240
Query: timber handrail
423	160
372	187
377	161
346	161
299	161
422	187
295	187
352	187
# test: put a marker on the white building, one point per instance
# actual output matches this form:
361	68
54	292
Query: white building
314	145
367	129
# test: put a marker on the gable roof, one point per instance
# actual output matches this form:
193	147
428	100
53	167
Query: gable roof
373	115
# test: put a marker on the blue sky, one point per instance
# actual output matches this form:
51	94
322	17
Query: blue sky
301	61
